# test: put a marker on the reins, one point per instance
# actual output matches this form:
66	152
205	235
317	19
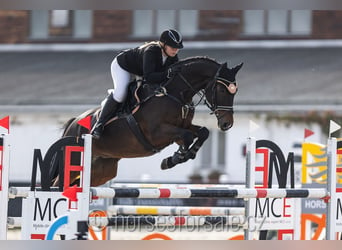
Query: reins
187	106
213	83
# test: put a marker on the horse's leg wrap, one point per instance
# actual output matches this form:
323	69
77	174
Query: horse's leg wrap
184	153
178	157
203	134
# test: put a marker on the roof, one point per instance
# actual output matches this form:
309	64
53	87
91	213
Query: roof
305	76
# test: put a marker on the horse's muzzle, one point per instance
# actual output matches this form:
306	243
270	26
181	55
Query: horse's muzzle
225	121
226	125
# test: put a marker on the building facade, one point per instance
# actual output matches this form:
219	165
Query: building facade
108	26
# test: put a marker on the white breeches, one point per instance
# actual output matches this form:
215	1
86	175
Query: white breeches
121	79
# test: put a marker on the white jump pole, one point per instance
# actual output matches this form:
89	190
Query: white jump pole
85	197
250	183
4	176
331	187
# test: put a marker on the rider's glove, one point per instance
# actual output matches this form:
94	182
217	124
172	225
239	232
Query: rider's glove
171	72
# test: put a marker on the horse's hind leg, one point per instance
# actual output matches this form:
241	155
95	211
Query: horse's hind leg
103	170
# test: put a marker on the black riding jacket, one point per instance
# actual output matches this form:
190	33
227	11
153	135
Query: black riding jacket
146	61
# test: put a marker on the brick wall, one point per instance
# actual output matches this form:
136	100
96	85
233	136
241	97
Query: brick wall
327	25
112	26
219	25
14	26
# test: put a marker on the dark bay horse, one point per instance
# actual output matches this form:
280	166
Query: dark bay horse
164	118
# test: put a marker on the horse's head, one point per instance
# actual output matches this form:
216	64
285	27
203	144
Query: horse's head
220	95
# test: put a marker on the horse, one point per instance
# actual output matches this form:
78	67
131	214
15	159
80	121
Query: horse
164	118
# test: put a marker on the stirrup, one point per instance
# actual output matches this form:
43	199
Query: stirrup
97	131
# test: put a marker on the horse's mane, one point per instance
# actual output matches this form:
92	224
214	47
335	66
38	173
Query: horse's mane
192	59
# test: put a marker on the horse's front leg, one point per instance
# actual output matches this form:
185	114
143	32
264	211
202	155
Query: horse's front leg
185	152
184	139
178	157
202	134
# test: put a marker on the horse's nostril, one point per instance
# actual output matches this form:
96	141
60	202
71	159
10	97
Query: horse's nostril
226	126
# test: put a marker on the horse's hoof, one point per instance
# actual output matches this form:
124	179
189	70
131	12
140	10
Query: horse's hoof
167	163
164	164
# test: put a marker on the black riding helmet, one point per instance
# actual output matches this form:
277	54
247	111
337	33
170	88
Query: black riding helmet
172	38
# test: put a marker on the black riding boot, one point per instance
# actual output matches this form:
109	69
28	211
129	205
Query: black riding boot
110	107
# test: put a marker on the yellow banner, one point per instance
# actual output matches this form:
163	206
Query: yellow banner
314	163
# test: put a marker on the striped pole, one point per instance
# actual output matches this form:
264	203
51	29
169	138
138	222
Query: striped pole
23	192
179	185
157	193
101	192
14	222
173	210
165	221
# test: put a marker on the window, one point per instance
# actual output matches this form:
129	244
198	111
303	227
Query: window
60	23
57	24
301	21
60	18
148	23
277	22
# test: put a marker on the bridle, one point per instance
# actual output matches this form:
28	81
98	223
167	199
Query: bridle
231	88
214	107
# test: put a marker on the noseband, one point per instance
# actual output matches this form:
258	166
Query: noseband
231	88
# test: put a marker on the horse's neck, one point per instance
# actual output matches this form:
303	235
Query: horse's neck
199	74
195	77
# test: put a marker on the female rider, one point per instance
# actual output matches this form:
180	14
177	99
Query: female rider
151	61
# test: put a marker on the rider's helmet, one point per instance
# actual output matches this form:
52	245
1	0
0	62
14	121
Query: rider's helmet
172	38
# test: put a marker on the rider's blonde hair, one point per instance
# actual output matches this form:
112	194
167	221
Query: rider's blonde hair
149	44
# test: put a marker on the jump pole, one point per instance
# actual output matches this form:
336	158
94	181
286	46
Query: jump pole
250	183
4	176
115	210
331	187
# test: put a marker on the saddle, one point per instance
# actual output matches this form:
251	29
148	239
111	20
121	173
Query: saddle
138	93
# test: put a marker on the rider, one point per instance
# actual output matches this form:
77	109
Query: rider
150	61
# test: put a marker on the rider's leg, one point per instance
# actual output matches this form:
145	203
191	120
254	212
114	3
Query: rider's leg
121	80
110	106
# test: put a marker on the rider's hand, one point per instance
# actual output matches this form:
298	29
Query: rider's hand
171	72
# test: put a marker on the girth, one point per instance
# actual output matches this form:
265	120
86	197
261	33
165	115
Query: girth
135	128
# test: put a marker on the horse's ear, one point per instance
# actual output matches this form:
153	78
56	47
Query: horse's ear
237	68
224	65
